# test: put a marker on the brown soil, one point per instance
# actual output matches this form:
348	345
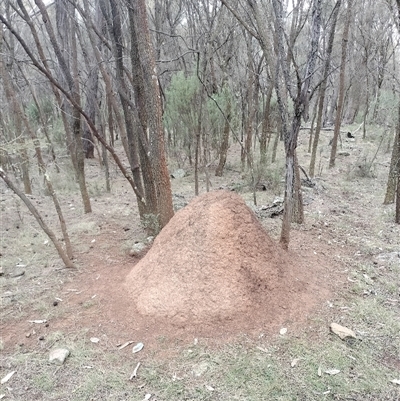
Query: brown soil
213	272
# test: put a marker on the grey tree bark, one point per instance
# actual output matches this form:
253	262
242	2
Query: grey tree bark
338	119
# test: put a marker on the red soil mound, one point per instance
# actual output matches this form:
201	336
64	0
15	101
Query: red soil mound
214	262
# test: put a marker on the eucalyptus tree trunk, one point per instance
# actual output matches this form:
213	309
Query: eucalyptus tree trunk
300	105
225	142
266	126
42	66
157	153
115	27
66	30
92	99
322	90
396	146
24	123
15	119
141	126
338	119
250	103
390	195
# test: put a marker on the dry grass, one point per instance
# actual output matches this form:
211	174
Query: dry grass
346	212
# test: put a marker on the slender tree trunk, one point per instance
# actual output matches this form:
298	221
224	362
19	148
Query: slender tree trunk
91	102
338	120
322	90
298	208
300	106
266	127
133	140
391	185
224	143
42	66
77	122
71	79
197	145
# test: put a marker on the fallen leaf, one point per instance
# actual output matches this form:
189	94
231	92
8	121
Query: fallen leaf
395	381
7	377
94	340
283	331
319	371
138	347
147	397
209	388
332	372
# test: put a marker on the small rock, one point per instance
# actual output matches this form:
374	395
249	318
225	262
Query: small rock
58	355
94	340
283	331
137	249
55	303
341	331
41	338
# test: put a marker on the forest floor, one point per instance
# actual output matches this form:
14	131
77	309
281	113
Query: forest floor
343	266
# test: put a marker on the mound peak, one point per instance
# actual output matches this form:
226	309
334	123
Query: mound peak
214	262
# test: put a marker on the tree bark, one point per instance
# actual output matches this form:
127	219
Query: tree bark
72	83
141	126
322	90
266	126
224	143
154	114
133	141
300	105
338	119
390	195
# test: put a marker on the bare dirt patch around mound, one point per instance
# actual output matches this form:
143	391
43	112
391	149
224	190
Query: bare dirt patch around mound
215	265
